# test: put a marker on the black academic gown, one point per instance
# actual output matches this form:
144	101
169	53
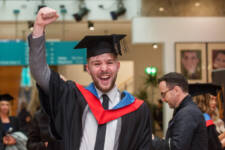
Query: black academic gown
65	106
213	140
14	124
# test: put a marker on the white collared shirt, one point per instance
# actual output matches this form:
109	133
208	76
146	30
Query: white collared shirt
91	126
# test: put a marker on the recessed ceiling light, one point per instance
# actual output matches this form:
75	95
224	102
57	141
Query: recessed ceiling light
197	4
161	9
155	46
91	26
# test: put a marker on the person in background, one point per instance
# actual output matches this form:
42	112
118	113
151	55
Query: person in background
24	118
158	114
8	124
212	97
39	137
204	96
187	129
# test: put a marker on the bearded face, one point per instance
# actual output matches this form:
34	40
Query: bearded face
103	70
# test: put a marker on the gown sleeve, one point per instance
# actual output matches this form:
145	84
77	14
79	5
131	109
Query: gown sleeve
62	104
146	140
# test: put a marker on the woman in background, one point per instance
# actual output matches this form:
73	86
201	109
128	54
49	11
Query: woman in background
214	114
8	124
202	94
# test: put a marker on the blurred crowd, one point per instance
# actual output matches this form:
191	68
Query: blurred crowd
24	132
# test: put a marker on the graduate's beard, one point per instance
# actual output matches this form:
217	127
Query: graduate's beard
102	89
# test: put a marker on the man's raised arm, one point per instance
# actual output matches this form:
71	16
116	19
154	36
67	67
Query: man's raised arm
37	60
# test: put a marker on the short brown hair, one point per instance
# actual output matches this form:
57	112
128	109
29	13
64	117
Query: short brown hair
175	79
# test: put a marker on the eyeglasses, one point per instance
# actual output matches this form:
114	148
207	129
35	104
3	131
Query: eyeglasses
163	94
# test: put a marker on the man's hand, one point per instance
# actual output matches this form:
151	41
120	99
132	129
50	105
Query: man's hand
44	17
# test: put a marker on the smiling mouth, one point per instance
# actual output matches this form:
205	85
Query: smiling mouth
105	77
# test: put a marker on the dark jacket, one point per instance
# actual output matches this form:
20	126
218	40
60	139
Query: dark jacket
24	124
39	134
14	124
186	130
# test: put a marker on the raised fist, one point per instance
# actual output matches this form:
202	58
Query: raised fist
44	17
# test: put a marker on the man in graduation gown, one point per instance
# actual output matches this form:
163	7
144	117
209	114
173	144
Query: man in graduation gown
97	117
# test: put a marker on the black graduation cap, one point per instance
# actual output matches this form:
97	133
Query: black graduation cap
203	88
99	44
6	97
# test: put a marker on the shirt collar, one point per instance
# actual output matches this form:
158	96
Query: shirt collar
184	102
111	94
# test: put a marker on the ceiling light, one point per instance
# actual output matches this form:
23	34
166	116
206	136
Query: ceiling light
16	11
30	25
197	4
91	26
121	10
83	10
161	9
63	9
155	46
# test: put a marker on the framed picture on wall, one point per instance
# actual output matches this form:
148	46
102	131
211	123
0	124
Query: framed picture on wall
216	58
191	61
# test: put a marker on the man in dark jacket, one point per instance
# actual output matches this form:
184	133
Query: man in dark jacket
186	130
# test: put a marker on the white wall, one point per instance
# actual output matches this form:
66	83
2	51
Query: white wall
28	8
125	77
176	29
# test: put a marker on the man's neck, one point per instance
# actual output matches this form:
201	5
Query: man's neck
181	98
